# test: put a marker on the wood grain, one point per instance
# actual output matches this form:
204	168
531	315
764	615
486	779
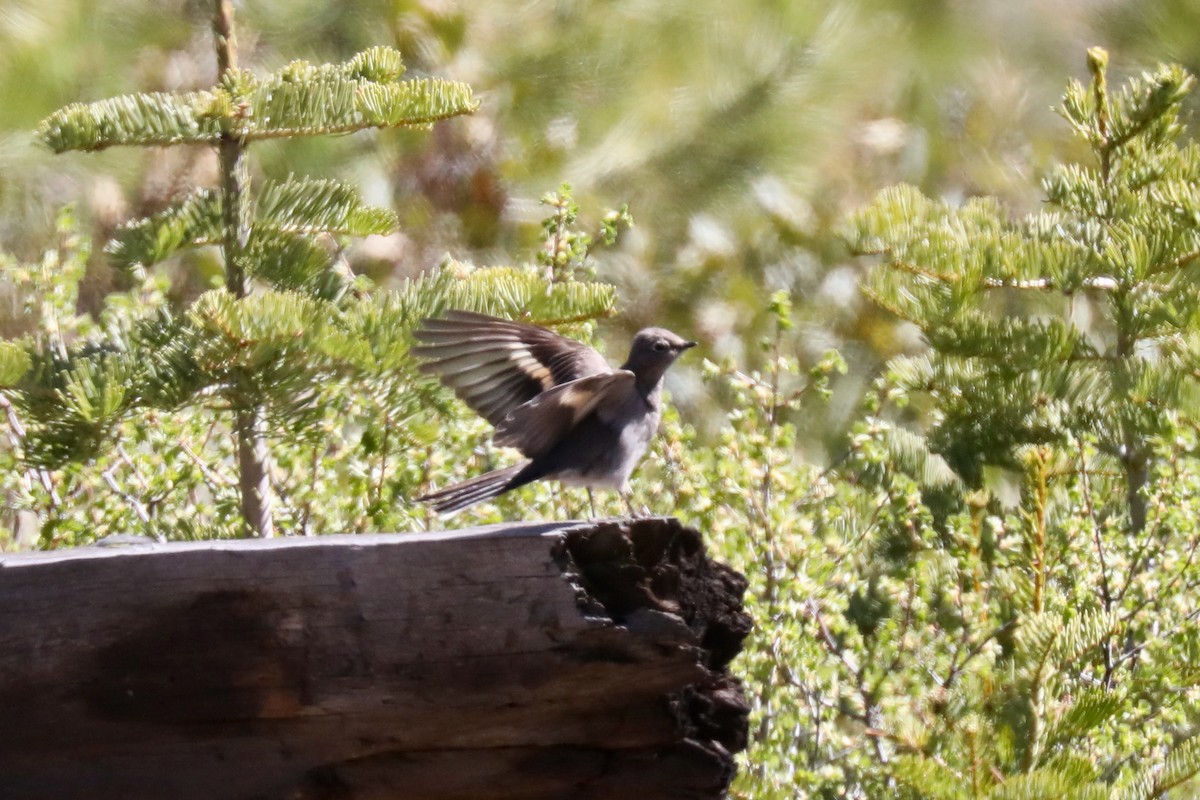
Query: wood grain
586	660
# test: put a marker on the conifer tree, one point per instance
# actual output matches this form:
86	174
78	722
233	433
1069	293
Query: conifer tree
1103	285
1062	351
292	333
923	630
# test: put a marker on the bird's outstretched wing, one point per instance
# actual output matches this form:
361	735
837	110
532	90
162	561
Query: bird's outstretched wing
537	426
496	365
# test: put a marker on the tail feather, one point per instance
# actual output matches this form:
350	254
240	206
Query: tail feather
475	490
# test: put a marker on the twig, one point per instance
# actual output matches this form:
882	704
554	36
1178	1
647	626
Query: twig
1105	592
17	437
124	456
1136	649
134	503
976	649
1175	263
214	479
1100	282
306	509
383	444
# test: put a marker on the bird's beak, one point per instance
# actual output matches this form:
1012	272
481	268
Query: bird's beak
686	346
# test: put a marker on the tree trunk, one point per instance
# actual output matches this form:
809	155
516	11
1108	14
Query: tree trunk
249	416
585	660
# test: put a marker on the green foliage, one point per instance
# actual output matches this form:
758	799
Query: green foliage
1100	293
14	363
299	100
995	605
256	352
142	402
295	354
283	212
566	251
933	624
922	639
989	591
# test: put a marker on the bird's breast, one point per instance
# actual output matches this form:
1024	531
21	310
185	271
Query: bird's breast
605	450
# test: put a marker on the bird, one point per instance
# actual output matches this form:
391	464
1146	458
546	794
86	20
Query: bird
575	419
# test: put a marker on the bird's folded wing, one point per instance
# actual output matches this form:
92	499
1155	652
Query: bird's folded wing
537	426
496	365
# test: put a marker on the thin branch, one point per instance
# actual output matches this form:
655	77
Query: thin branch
1133	652
1100	283
975	650
137	473
226	38
384	443
921	272
214	479
905	624
1038	519
250	424
138	507
1176	263
314	471
427	515
1166	589
17	438
1098	541
759	504
1134	567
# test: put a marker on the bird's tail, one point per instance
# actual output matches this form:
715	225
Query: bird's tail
483	487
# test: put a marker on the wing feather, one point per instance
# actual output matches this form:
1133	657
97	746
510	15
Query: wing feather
535	427
495	365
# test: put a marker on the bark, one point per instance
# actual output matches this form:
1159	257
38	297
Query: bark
520	661
250	426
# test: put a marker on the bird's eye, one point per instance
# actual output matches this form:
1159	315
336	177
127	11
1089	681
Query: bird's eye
660	346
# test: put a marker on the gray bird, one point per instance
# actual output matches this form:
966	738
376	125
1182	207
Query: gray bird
576	419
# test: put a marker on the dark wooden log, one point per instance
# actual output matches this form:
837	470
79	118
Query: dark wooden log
519	661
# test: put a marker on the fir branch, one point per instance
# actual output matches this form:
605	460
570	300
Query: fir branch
309	206
911	454
299	100
1087	711
1098	65
285	215
1102	283
1176	263
928	778
922	272
1044	641
14	363
1047	783
1182	765
290	262
156	119
251	332
195	221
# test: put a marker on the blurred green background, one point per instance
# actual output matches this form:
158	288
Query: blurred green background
740	134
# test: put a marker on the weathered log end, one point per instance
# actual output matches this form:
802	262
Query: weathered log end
586	660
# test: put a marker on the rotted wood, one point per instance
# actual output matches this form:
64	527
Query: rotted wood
522	661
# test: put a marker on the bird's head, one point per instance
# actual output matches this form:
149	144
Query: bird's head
652	351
